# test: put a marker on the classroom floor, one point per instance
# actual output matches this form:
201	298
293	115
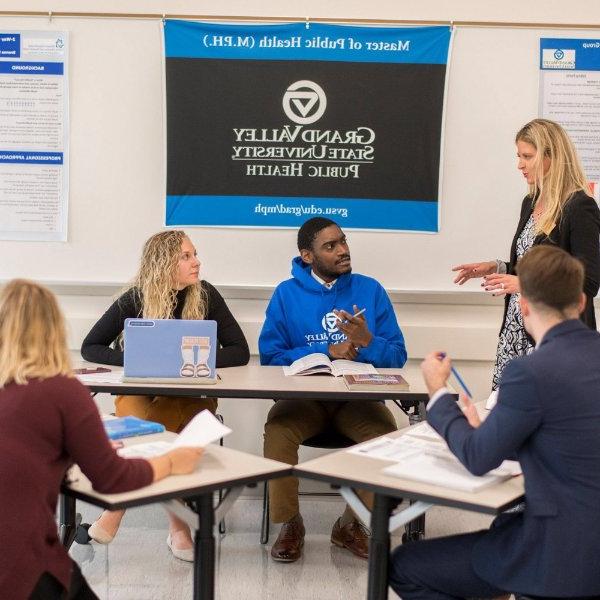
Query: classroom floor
137	565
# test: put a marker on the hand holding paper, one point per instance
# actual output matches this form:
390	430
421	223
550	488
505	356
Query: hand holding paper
203	429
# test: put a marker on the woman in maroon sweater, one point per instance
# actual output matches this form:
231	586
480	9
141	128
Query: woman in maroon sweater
48	421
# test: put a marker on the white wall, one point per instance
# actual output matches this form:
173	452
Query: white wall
117	146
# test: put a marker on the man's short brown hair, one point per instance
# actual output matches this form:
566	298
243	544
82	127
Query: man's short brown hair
550	277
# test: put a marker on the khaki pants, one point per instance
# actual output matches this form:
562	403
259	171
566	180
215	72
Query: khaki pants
173	412
290	422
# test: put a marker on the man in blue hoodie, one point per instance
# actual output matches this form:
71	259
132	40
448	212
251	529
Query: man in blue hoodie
302	318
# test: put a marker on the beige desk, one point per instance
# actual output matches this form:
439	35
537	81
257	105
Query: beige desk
220	468
350	471
254	381
258	381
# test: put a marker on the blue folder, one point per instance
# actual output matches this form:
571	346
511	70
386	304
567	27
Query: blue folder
125	427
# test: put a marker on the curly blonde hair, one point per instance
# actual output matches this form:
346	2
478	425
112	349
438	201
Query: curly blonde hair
565	175
156	281
33	341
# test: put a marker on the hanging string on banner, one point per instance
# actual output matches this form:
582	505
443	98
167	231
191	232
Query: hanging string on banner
272	19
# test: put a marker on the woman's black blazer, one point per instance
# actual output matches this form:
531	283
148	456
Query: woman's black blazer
578	232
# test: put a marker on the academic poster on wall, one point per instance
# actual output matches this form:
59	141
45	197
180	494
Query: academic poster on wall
269	125
570	95
33	135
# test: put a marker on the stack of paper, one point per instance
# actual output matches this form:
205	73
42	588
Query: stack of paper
396	449
425	431
422	455
446	471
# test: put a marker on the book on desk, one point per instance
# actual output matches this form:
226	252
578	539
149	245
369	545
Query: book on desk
318	363
124	427
375	382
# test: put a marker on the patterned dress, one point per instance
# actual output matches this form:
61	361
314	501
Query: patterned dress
513	340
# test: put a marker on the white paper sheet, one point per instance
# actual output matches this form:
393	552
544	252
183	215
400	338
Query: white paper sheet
443	471
426	459
109	377
203	429
424	431
145	450
396	449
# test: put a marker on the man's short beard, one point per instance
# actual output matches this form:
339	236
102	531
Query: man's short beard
324	272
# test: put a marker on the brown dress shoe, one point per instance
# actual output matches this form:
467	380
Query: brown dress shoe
354	537
288	546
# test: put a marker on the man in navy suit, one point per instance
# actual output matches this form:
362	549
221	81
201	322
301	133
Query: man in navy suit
548	416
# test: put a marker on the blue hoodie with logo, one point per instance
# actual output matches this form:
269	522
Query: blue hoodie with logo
300	319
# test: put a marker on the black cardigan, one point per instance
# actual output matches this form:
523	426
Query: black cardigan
578	232
233	348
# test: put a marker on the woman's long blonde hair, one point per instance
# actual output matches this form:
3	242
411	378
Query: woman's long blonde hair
156	281
33	341
565	175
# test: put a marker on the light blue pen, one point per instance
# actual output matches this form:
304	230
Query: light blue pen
463	385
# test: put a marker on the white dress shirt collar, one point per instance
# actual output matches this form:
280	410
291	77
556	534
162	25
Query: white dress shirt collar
327	284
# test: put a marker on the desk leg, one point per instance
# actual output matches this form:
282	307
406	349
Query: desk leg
379	548
67	520
204	550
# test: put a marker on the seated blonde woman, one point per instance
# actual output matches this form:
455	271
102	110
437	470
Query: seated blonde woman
48	421
167	286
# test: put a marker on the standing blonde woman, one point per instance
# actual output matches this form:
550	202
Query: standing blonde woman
557	210
167	286
48	421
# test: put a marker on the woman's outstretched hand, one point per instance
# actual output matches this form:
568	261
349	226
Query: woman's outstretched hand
473	270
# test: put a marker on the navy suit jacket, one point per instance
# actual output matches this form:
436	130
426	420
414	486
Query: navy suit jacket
548	415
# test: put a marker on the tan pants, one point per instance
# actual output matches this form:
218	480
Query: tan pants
173	412
290	422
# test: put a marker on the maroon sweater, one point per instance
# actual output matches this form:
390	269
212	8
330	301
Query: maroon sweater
45	426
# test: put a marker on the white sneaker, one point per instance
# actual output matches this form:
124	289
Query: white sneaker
186	554
98	534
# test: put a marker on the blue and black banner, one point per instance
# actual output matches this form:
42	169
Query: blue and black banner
268	126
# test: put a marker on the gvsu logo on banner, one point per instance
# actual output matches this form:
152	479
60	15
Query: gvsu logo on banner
555	58
304	102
